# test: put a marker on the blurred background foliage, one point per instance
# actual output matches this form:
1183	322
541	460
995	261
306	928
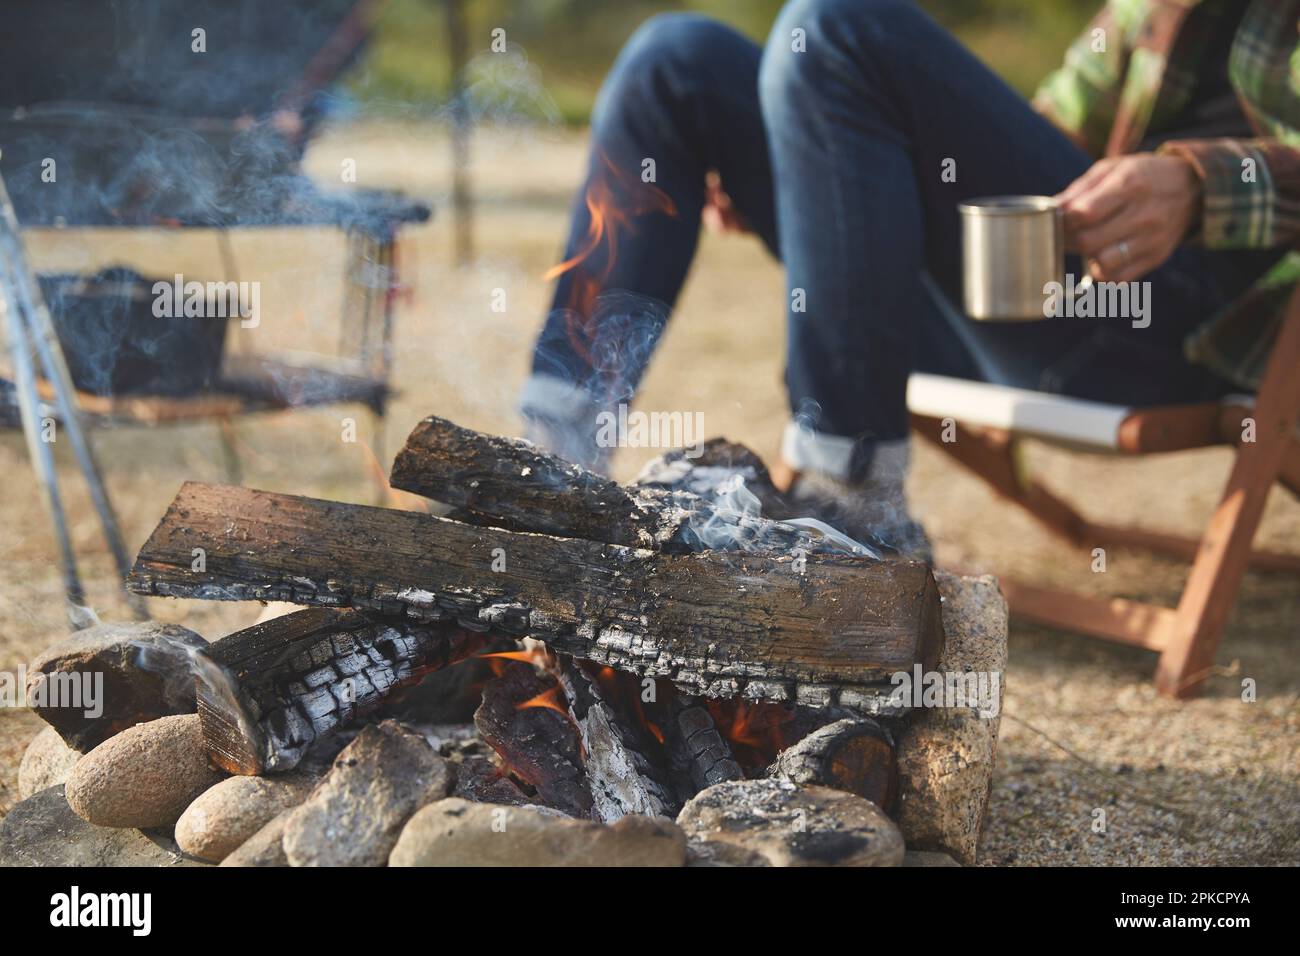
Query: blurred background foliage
572	42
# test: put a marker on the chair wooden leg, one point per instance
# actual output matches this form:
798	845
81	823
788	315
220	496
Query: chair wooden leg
1212	586
1290	476
1221	560
991	455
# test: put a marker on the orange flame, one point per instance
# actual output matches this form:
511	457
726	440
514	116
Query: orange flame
756	731
550	699
614	199
537	656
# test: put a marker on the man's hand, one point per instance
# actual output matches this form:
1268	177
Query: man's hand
1127	214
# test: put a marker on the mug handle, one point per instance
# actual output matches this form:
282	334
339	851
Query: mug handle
1085	282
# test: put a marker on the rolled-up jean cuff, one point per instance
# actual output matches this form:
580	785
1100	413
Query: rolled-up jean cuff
546	396
806	450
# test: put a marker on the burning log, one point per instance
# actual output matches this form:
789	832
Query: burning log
523	720
853	755
517	485
268	692
621	777
818	629
510	483
699	752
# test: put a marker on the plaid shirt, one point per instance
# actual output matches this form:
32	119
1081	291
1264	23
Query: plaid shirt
1132	72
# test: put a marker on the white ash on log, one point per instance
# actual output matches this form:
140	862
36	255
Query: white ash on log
855	755
273	690
524	721
718	461
622	779
819	629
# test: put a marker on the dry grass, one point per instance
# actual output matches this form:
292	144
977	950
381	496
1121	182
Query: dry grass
1210	781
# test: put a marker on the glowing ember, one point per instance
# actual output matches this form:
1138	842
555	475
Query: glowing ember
756	731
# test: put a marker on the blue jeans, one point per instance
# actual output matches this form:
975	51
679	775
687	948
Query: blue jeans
834	155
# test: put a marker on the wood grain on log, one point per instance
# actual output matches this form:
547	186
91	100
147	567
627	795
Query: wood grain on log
517	485
854	755
268	692
821	629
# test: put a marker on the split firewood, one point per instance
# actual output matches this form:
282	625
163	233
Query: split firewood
621	776
854	755
267	693
820	628
524	718
511	483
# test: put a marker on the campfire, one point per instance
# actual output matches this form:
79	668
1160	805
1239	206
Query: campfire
577	651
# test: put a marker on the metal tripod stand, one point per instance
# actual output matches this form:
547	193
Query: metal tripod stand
30	329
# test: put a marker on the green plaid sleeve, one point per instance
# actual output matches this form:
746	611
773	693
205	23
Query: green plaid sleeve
1251	191
1081	96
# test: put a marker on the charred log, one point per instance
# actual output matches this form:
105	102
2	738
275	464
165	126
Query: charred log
698	752
853	755
479	779
510	483
517	485
622	778
818	629
450	695
267	693
524	719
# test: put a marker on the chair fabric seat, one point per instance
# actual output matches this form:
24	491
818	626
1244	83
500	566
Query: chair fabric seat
1054	418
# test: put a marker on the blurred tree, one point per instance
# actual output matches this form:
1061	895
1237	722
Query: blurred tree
574	41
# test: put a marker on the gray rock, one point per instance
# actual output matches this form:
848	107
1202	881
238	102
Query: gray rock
791	825
144	777
456	832
263	848
355	815
43	831
928	858
135	671
946	755
713	853
228	814
46	763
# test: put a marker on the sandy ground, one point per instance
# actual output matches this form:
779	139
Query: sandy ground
1212	781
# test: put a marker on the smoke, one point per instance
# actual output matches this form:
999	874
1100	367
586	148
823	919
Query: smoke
726	515
184	667
506	89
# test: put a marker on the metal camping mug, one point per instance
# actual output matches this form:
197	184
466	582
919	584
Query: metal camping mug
1012	247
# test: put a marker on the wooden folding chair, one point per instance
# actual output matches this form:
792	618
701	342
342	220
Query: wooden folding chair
979	425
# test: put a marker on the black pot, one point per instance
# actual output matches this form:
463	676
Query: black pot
115	345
